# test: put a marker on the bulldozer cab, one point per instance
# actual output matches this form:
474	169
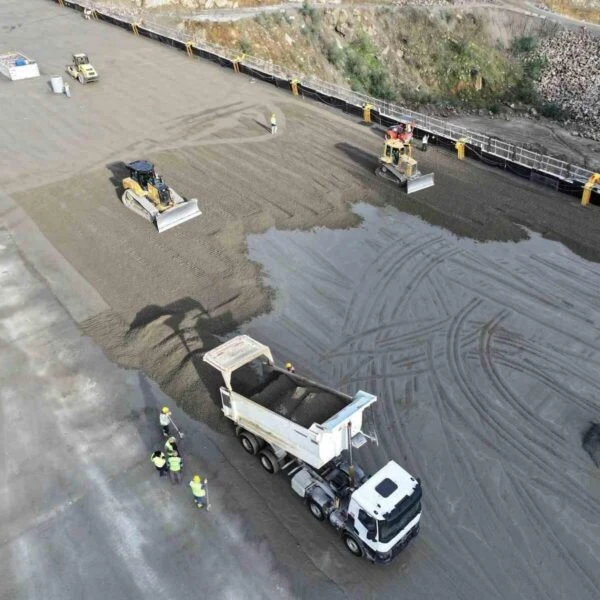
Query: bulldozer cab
80	59
395	152
143	172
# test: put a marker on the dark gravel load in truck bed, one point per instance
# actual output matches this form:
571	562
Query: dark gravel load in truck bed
296	399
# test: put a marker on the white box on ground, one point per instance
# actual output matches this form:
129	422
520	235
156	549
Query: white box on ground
15	65
58	85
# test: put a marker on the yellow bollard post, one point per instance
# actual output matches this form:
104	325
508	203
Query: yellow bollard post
460	147
367	113
236	62
587	188
294	86
188	49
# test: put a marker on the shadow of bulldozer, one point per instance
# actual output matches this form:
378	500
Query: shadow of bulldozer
366	160
118	172
175	337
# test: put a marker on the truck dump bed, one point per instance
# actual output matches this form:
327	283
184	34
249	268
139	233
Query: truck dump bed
294	398
292	413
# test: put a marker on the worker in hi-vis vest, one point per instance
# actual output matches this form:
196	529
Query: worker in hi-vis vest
171	446
273	123
165	420
175	466
198	491
160	462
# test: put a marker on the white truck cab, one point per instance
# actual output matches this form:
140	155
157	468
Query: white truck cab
387	511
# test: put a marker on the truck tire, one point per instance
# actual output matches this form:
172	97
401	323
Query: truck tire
249	442
353	545
316	511
81	79
268	461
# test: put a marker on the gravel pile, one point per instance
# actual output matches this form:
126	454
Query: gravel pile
572	78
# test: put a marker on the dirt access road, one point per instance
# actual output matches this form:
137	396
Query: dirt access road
173	296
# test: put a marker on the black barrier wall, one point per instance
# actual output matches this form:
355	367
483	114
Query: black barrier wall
476	153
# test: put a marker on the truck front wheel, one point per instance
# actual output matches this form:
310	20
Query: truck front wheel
269	461
353	545
249	442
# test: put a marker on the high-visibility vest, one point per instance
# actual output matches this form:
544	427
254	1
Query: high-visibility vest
197	489
175	463
169	448
165	419
273	120
158	461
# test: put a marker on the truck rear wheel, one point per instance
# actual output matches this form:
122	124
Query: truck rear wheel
269	461
249	442
316	511
353	545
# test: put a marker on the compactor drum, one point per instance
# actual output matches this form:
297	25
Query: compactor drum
81	69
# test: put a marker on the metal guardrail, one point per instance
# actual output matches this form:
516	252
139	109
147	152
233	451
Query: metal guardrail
490	145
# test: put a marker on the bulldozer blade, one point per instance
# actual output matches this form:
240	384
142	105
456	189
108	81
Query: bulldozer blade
419	183
178	214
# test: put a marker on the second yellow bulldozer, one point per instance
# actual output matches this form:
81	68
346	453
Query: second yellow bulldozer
398	165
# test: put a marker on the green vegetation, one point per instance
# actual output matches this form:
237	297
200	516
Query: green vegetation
362	66
407	55
523	45
245	46
309	11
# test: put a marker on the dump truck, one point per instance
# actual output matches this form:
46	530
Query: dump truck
308	430
398	165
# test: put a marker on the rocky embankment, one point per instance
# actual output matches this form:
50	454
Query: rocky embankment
572	77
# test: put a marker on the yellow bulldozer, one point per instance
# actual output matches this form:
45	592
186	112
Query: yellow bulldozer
146	194
398	165
81	69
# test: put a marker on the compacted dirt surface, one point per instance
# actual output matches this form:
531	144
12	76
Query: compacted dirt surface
477	334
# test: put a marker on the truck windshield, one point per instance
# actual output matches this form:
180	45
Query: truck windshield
404	512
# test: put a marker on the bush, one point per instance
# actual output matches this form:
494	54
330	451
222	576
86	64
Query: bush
552	110
262	19
334	54
308	10
524	45
533	67
364	69
245	46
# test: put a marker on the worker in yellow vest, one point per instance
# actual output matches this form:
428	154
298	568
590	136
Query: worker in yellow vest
198	491
165	420
160	462
273	123
171	446
175	466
